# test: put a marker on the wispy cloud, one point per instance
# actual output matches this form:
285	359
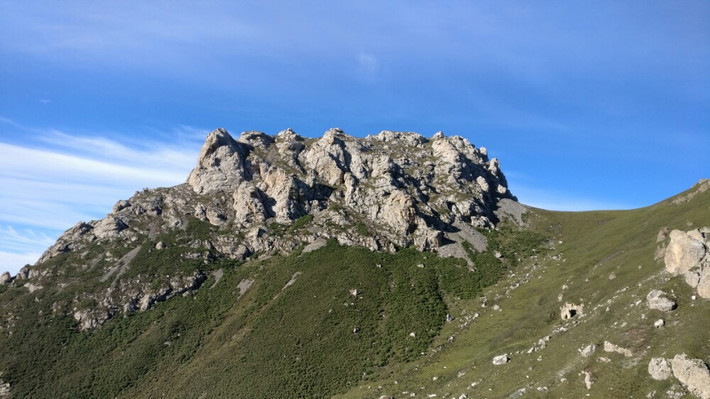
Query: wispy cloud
12	262
63	178
24	240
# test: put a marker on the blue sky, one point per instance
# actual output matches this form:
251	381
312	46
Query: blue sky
588	105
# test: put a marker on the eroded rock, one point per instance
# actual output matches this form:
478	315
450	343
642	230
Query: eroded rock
659	300
501	359
688	254
659	368
693	374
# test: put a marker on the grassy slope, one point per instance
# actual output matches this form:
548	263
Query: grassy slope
312	338
298	341
606	259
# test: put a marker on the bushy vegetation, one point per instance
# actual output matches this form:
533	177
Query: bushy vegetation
347	314
344	320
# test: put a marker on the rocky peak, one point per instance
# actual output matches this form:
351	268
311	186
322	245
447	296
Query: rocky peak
220	163
399	188
400	181
264	194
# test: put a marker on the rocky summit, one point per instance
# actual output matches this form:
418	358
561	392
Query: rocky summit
399	190
262	194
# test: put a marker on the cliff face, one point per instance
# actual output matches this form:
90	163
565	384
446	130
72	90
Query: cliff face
407	190
263	194
399	189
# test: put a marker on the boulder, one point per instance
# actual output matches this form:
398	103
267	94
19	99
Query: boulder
684	251
658	300
659	368
588	350
501	359
704	282
609	347
693	374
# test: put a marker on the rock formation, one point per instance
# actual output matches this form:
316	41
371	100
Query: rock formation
262	194
688	254
658	300
693	374
659	368
570	310
501	359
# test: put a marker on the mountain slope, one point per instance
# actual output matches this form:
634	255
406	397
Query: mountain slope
603	260
393	265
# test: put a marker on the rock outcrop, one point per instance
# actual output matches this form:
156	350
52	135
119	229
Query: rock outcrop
262	194
693	374
570	310
688	254
500	360
400	189
659	368
658	300
610	347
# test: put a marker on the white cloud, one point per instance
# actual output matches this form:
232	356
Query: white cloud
12	262
24	240
66	178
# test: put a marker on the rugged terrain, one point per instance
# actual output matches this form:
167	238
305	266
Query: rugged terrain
393	265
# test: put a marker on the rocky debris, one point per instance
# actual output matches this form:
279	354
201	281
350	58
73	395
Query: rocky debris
89	319
587	379
244	286
541	344
5	388
500	359
91	310
316	244
659	368
588	350
292	281
659	323
177	285
609	347
31	287
693	374
569	310
702	186
512	210
688	254
658	300
217	274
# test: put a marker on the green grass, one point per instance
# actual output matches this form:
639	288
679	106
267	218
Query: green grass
310	339
593	246
315	339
